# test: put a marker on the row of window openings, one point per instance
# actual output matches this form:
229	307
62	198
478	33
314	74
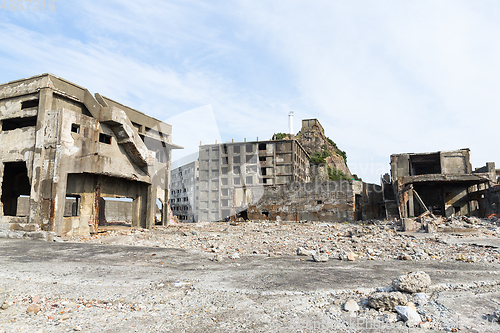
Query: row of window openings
178	191
180	208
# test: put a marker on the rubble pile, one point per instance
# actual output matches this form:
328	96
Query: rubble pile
458	238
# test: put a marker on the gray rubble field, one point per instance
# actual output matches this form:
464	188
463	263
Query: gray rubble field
174	284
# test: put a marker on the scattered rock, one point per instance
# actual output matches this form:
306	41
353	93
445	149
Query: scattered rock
387	301
320	257
351	306
235	255
303	252
409	315
33	308
413	282
35	299
351	256
421	298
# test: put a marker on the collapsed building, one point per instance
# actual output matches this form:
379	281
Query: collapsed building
439	183
65	151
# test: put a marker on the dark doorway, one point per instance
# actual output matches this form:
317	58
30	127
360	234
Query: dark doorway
15	183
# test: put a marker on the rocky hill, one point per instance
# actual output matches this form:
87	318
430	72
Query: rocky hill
330	161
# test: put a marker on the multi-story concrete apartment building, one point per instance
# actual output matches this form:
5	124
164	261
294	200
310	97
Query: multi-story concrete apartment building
60	144
184	192
232	175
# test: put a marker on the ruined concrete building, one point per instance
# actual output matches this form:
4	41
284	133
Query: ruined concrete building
439	183
184	191
64	151
232	175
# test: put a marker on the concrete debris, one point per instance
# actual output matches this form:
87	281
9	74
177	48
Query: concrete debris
387	301
320	257
303	252
351	306
413	282
409	315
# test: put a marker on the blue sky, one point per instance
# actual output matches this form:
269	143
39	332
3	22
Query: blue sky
382	77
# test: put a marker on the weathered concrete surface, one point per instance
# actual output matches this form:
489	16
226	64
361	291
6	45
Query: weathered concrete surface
255	288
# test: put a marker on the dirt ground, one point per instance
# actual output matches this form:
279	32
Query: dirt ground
247	277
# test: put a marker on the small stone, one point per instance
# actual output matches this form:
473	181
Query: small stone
35	299
413	282
64	316
33	308
351	256
320	257
411	305
410	316
77	328
421	298
235	255
351	305
303	252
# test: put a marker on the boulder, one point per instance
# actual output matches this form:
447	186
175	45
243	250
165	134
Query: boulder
412	282
387	301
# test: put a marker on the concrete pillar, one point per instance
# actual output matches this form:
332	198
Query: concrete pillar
411	206
40	205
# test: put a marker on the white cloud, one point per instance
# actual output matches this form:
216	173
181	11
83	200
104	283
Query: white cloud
382	77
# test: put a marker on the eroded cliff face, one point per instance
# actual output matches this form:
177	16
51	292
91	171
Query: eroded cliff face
313	139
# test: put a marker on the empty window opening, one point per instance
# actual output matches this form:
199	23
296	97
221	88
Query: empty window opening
15	123
75	128
115	211
263	171
15	184
251	159
71	206
158	212
236	181
262	146
32	103
236	170
249	148
236	150
265	213
425	164
104	138
249	180
225	192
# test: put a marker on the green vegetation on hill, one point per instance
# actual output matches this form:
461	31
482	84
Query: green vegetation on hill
336	174
279	136
320	158
341	152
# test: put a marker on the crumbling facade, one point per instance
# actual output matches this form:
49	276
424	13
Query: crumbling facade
331	201
184	192
439	183
233	175
64	147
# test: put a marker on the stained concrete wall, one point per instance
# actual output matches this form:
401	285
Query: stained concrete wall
334	201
